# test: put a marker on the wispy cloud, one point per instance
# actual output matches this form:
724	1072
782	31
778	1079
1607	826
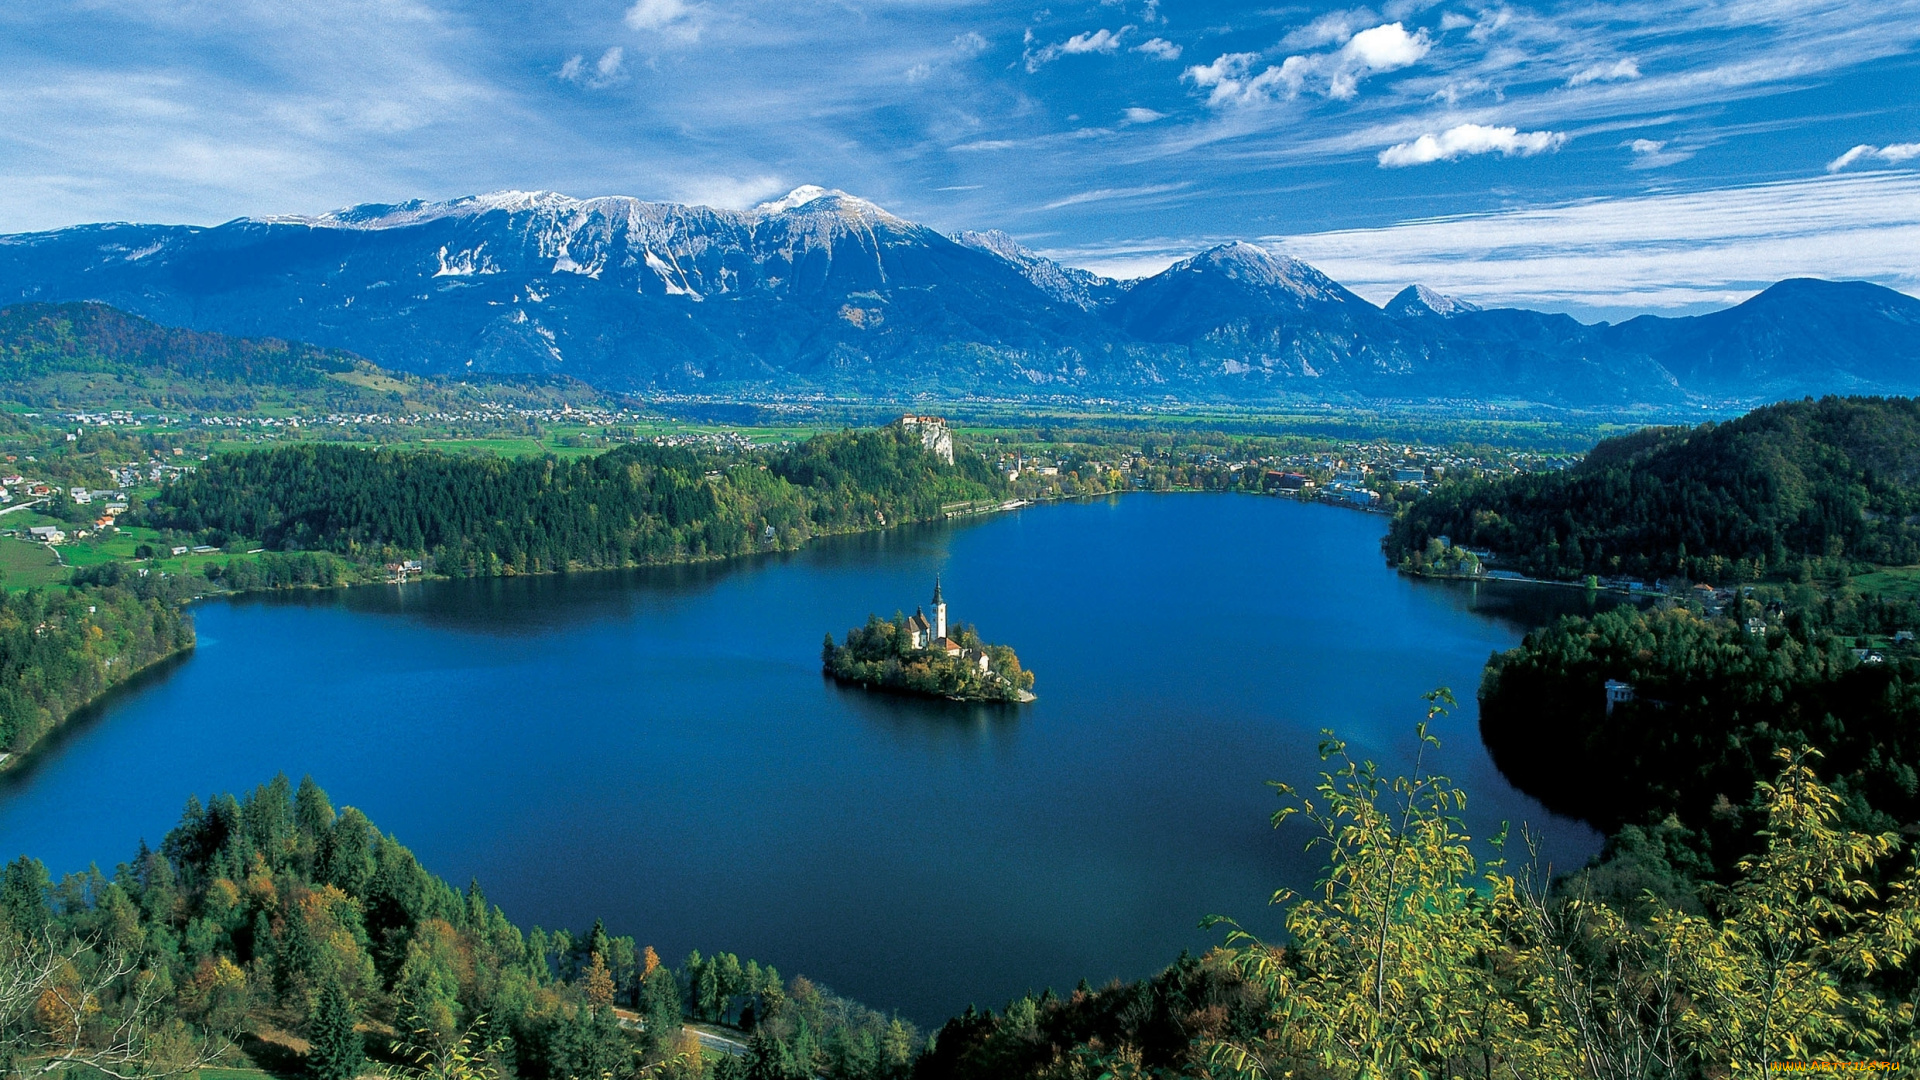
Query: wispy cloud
1891	154
1332	28
1112	194
1618	71
1656	153
1138	115
669	18
1158	49
1668	251
979	145
1467	140
609	70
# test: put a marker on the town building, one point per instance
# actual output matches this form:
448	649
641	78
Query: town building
1618	693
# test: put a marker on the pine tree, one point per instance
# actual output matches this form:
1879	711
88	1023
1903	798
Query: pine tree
336	1053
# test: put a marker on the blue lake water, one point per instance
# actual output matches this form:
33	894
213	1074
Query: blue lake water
659	749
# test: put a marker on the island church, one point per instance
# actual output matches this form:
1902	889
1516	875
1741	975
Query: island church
933	634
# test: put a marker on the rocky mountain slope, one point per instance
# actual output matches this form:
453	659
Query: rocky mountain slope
822	291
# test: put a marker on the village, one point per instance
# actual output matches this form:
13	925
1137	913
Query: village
1373	475
19	492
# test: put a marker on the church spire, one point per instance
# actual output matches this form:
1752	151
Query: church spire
936	590
939	612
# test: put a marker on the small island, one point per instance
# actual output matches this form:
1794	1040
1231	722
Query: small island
915	655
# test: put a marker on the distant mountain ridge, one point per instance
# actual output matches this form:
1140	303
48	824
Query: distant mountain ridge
88	356
821	291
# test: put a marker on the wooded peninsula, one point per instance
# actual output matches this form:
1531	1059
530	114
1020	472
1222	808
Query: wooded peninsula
640	504
331	515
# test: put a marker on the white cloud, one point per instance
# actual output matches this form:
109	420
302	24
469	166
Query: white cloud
1337	74
918	73
1892	154
1159	49
1387	47
1618	71
1093	41
1120	266
1663	251
1655	153
1099	41
970	44
1226	78
1137	115
1467	140
671	18
729	192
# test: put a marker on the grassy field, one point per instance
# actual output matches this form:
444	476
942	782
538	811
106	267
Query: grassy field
32	565
1893	582
29	565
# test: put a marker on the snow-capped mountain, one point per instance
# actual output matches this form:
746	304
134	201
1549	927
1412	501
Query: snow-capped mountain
820	290
1083	289
1418	301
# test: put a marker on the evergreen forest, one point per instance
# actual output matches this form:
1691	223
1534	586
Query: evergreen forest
473	515
273	927
1811	485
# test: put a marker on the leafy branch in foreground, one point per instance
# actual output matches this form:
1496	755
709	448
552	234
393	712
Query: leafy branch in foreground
1414	958
470	1054
92	1003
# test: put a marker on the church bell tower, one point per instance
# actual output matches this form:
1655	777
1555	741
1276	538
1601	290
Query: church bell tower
939	611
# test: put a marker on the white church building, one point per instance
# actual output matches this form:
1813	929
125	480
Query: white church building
932	633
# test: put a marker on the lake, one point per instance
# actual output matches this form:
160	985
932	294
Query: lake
659	749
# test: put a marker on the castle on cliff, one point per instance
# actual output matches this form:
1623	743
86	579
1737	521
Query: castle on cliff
934	434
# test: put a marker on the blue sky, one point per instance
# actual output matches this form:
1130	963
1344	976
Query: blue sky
1599	158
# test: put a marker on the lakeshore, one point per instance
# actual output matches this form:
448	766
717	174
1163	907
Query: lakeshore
895	827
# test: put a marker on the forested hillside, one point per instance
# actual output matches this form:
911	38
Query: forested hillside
1714	698
310	942
1802	483
60	650
274	931
92	356
1424	952
638	504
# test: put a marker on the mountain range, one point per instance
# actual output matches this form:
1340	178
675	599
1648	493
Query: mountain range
824	292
